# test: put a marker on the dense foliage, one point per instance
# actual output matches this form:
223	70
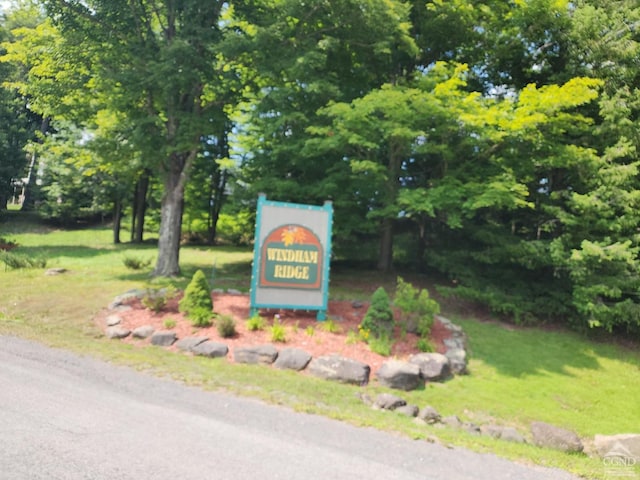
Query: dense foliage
493	142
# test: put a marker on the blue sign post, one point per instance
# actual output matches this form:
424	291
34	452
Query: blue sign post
291	255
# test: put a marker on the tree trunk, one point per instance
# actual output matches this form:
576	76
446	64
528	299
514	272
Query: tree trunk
28	201
385	256
216	206
139	208
117	220
168	263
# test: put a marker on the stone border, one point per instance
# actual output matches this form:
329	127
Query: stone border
397	374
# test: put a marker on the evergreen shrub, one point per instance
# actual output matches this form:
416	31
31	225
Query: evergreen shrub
379	317
196	303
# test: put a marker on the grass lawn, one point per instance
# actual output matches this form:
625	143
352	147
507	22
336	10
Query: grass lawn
517	374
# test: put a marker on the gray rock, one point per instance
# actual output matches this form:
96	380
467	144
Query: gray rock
187	344
113	320
429	415
433	366
340	369
163	338
128	295
55	271
388	401
265	354
292	359
471	428
408	410
550	436
144	331
399	375
233	291
217	290
357	304
117	332
622	445
457	360
211	349
452	421
508	434
366	399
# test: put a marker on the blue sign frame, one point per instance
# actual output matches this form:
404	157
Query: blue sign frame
259	297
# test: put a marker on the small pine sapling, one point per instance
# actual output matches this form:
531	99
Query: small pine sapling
379	317
196	303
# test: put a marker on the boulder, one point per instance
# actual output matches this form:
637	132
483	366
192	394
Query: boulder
144	331
211	349
457	360
622	445
429	415
452	421
113	320
388	401
116	332
265	354
187	344
292	359
550	436
125	297
340	369
163	338
408	410
55	271
399	375
508	434
433	366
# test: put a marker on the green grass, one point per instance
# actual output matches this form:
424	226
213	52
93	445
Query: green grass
517	375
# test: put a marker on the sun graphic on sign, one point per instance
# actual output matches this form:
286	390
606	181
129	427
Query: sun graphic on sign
293	235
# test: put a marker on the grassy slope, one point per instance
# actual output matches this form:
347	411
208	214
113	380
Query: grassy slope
518	375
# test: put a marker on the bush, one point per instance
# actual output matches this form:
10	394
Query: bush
156	300
381	345
255	323
15	261
196	303
416	307
277	331
226	326
379	317
135	263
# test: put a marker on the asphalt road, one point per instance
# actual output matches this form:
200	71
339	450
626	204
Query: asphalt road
68	417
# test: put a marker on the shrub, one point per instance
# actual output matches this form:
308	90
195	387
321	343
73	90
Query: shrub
330	326
15	261
156	300
416	307
381	344
7	244
425	345
226	326
135	263
196	303
379	317
310	331
169	323
256	323
277	331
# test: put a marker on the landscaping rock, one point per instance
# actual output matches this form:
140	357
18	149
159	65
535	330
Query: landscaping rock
163	338
113	320
508	434
388	401
187	344
625	444
55	271
550	436
452	421
433	366
340	369
292	359
233	291
399	375
211	349
457	360
408	410
128	295
117	332
429	415
144	331
265	354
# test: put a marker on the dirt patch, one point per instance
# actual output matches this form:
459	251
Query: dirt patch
302	329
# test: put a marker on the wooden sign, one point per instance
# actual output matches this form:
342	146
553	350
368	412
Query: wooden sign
291	256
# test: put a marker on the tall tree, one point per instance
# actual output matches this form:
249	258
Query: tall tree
160	64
